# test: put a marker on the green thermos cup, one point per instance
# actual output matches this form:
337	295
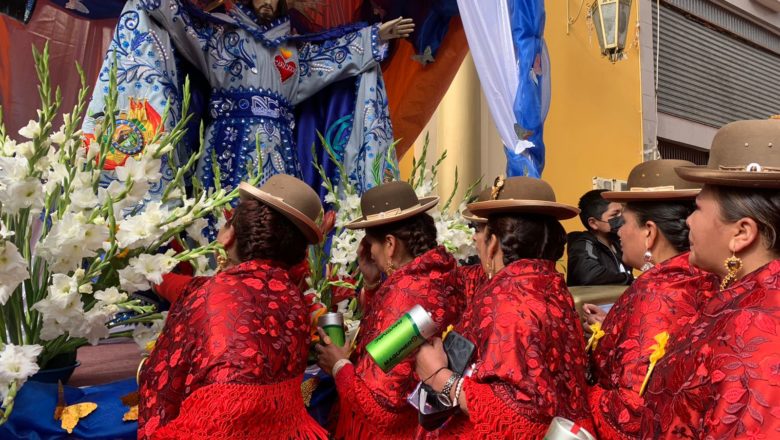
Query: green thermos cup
401	338
333	325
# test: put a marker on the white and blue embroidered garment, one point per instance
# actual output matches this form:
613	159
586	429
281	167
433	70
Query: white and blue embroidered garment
256	75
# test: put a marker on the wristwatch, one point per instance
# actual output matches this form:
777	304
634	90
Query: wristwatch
444	396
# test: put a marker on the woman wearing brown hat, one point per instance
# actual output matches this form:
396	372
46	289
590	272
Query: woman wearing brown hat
529	363
721	378
401	243
230	360
660	302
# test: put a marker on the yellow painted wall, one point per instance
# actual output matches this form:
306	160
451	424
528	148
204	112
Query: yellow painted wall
594	127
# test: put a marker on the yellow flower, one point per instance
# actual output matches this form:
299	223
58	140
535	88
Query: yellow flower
598	333
659	350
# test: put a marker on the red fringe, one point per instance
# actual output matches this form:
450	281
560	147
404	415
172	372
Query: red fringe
243	412
362	418
490	419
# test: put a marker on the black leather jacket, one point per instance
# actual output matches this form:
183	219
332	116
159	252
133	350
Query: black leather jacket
593	263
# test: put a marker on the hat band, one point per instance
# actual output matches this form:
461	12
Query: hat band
751	168
651	188
267	194
384	214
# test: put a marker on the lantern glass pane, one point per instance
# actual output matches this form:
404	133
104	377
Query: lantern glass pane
623	20
595	13
609	12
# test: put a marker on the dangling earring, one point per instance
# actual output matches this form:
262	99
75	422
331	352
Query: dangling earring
648	261
222	262
492	270
733	264
390	269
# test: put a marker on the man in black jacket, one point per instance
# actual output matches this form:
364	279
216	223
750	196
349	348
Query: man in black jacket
595	256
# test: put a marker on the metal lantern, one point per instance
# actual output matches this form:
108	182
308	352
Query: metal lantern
611	20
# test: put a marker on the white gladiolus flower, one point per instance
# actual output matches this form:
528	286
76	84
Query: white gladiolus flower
143	335
70	240
31	130
4	232
131	281
112	295
92	326
25	149
55	176
18	362
195	231
58	137
7	147
13	270
13	169
24	194
83	199
153	267
454	234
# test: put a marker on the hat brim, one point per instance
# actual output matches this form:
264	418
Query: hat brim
650	196
743	179
468	215
307	226
557	210
425	204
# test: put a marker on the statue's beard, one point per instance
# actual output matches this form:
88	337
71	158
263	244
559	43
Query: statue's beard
265	13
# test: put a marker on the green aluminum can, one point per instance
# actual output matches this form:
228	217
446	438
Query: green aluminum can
401	338
333	325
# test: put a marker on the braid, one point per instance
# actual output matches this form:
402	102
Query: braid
263	233
417	233
670	218
528	236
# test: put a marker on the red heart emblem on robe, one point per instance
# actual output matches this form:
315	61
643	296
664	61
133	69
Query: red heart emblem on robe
286	69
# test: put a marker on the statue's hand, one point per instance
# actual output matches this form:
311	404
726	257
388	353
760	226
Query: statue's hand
398	28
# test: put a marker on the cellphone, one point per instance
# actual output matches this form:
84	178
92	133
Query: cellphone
459	352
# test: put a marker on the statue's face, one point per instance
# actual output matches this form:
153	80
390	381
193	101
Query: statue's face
265	9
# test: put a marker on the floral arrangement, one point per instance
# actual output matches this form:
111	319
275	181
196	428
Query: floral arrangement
334	276
72	251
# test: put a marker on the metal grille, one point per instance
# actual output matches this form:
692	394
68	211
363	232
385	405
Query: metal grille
711	77
670	150
724	19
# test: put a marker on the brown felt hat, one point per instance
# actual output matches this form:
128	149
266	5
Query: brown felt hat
389	203
522	195
743	154
292	198
656	180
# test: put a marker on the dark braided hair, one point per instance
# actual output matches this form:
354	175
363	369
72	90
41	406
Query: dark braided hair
527	236
417	233
669	217
263	233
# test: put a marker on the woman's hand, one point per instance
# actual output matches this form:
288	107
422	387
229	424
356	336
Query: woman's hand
398	28
328	354
593	314
431	363
371	272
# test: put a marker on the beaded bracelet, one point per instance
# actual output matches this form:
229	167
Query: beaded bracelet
458	389
338	366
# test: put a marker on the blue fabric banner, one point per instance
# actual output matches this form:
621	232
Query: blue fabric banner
527	21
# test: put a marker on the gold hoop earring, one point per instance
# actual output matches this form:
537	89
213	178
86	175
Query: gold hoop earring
222	262
733	264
